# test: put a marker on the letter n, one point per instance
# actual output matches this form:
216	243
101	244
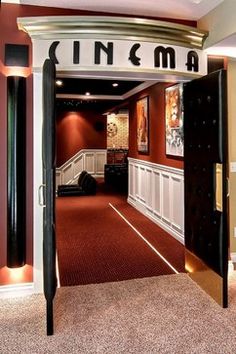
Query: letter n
108	50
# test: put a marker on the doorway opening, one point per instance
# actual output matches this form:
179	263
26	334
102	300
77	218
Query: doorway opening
107	239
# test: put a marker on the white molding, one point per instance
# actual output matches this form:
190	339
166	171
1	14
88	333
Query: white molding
11	1
16	290
152	165
90	97
38	180
157	202
91	160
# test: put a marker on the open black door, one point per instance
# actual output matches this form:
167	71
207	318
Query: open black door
48	146
205	168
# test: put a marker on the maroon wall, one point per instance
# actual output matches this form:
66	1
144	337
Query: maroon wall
77	131
157	153
9	33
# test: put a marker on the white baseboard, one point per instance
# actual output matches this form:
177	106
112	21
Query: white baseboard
16	290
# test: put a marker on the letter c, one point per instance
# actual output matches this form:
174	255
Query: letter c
132	55
52	52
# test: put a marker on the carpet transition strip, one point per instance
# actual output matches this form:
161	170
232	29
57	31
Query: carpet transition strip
144	239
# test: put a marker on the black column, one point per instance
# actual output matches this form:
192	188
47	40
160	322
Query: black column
16	171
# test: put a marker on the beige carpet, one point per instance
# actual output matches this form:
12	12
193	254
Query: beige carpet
165	314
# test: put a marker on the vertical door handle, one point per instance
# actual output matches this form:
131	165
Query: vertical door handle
218	186
41	195
228	186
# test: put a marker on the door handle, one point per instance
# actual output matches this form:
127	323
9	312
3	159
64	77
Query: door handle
228	186
218	186
41	195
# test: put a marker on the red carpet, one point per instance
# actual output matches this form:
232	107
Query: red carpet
95	244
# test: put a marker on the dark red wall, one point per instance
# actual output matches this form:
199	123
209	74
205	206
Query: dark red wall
157	153
77	131
9	33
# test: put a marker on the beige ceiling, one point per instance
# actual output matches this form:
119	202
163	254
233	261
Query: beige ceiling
185	9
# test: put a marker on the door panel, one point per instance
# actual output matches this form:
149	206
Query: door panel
206	223
48	146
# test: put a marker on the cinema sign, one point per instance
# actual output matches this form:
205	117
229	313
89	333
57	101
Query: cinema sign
119	55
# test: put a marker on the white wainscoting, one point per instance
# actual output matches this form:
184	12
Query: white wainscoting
91	160
157	191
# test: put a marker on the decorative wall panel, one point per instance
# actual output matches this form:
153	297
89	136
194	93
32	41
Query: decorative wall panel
99	160
166	198
89	162
78	166
158	192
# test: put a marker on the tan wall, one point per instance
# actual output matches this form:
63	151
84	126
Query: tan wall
232	147
120	140
220	22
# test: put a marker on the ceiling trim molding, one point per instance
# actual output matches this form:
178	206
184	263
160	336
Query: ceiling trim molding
88	98
99	27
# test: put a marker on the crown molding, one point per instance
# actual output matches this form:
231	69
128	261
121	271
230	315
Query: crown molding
106	27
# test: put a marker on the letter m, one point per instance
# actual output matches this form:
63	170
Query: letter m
165	54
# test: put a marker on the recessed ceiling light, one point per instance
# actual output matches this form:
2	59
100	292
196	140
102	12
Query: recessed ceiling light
115	84
59	82
87	93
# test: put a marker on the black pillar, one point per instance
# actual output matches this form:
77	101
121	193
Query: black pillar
16	171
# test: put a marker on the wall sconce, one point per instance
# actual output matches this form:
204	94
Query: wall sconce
16	171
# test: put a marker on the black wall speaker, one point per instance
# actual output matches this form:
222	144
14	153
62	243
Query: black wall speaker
16	55
99	126
16	171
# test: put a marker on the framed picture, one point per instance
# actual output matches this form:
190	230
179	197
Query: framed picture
174	116
143	125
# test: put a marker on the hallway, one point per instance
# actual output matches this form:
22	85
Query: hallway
102	238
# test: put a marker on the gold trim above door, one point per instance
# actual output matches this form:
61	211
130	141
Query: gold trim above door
113	27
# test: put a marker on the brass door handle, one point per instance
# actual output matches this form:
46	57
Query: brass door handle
228	186
218	186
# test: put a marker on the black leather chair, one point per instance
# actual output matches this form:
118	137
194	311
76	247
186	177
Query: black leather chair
87	185
74	186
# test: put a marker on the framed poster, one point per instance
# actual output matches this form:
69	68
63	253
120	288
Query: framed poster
143	125
174	116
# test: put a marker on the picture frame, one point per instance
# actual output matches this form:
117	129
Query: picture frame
142	110
174	119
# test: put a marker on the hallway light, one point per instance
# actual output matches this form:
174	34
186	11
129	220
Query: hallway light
59	82
16	171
